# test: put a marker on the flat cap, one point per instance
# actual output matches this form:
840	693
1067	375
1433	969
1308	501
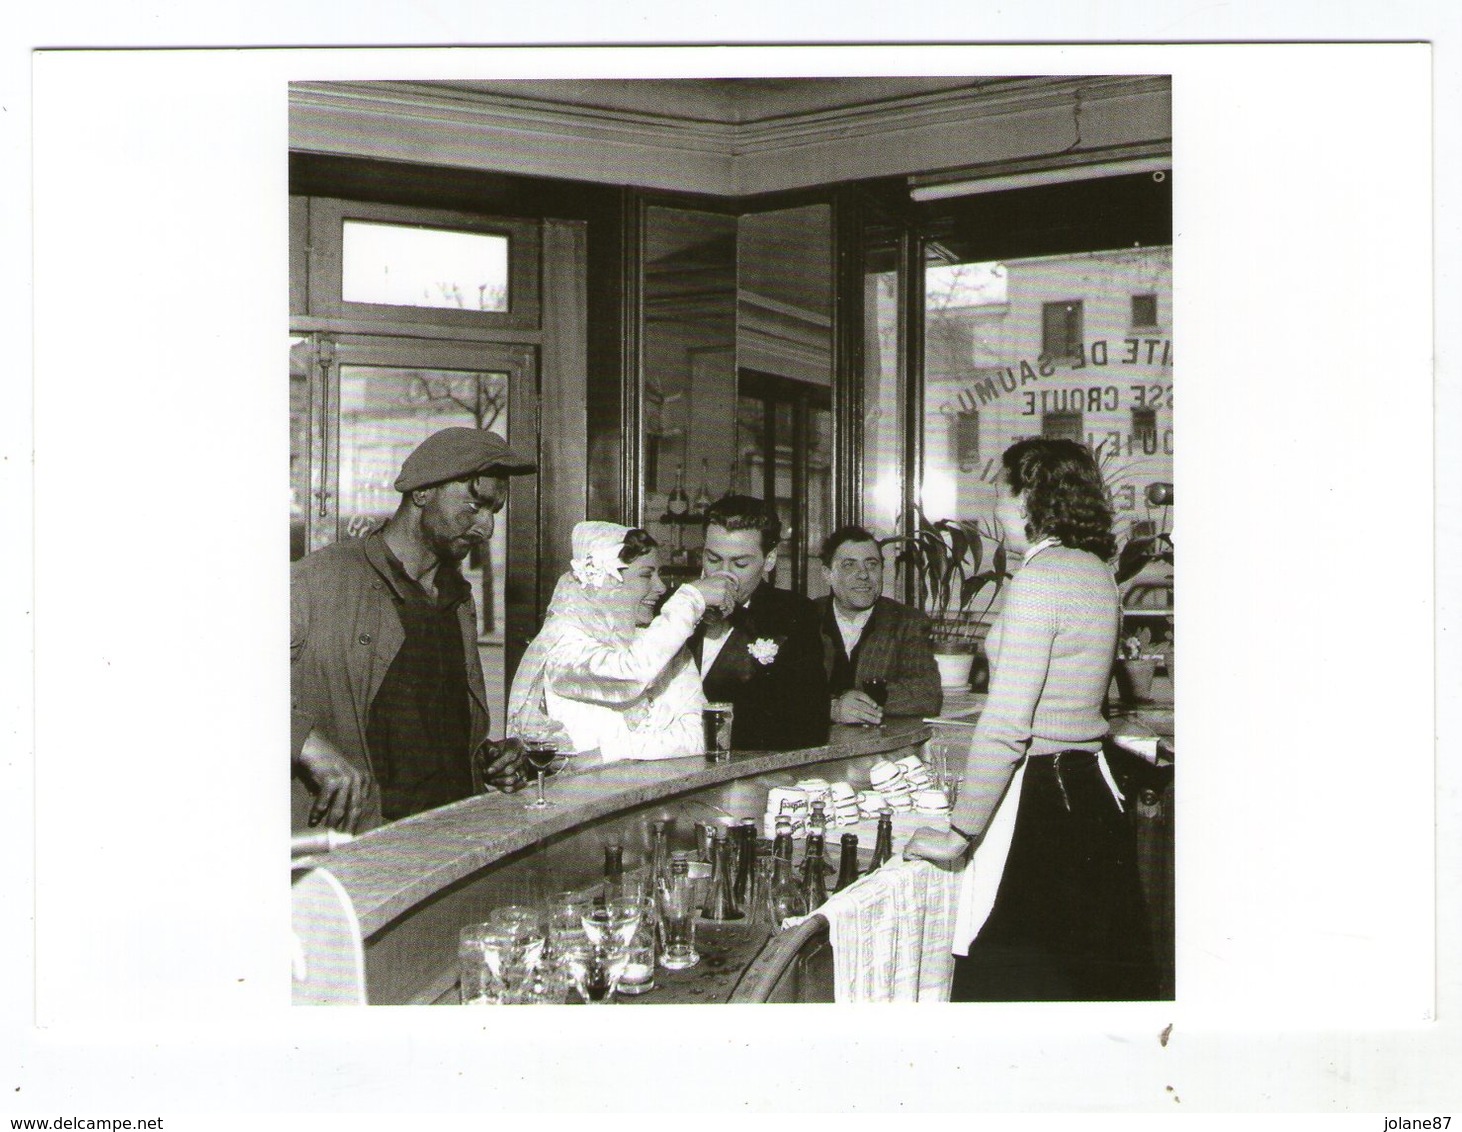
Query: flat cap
455	453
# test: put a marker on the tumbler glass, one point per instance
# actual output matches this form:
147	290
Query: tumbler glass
479	984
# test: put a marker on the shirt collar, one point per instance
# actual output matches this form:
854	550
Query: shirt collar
1048	541
852	620
450	585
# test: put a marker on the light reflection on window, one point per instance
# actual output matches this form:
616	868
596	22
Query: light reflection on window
409	266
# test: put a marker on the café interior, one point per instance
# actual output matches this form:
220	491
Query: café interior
843	295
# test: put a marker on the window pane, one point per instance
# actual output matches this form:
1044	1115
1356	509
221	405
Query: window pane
746	472
1144	310
299	445
987	385
883	419
819	493
1061	426
385	412
407	266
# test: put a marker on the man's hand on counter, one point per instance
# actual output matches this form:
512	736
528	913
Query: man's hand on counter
501	763
855	706
339	786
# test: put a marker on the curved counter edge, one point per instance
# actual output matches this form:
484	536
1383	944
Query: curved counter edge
392	869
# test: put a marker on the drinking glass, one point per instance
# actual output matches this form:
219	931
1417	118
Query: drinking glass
593	971
540	754
614	921
522	919
639	970
479	983
677	927
937	757
513	945
564	913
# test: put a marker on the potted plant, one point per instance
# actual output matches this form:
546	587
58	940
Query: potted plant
1135	666
1137	652
945	557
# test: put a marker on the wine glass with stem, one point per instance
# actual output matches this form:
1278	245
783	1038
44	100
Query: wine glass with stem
541	754
609	927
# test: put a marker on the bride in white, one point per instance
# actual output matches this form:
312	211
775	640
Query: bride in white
605	668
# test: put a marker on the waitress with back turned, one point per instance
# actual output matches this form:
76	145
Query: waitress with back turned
1051	907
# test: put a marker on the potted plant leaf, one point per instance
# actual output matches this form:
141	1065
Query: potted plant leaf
945	558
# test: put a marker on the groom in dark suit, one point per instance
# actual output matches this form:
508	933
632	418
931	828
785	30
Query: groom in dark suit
766	658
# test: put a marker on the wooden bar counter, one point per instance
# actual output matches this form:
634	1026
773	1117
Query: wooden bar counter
415	882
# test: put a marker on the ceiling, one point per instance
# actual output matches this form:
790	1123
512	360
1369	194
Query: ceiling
729	102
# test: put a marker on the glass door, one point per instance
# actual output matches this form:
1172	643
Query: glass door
784	445
360	404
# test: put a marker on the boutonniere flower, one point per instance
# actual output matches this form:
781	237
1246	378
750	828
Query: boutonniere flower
763	650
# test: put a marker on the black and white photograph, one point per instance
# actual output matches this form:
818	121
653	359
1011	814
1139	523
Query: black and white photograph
733	559
630	452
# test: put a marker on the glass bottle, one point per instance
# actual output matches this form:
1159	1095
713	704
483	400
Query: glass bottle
659	854
703	493
817	820
787	897
745	854
721	900
705	841
759	887
678	503
613	872
782	845
814	878
847	862
677	906
883	842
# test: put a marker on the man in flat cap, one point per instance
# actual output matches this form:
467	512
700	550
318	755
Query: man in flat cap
388	699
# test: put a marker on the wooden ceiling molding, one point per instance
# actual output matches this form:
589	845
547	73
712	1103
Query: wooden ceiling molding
735	137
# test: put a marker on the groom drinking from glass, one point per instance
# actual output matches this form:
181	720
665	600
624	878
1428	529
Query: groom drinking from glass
765	658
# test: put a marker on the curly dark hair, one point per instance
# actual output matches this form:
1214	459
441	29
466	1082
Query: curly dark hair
746	513
1064	493
637	544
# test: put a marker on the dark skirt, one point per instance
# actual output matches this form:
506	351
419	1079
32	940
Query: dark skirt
1069	922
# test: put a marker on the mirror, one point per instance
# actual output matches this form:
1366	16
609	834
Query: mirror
784	355
737	376
689	391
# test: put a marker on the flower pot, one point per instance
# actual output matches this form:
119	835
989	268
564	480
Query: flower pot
954	670
1134	679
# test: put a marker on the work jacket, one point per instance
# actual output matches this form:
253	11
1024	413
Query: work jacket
344	634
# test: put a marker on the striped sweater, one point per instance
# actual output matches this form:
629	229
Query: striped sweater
1051	654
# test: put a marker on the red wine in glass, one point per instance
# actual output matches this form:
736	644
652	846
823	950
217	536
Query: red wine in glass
540	754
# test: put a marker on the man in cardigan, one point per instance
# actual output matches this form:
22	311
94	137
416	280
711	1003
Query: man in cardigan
870	637
766	658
